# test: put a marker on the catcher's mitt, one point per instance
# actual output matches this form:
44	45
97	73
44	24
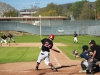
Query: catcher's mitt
75	53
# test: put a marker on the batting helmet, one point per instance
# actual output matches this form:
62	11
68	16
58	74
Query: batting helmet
51	36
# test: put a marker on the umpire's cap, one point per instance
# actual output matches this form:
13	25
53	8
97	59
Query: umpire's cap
85	47
92	42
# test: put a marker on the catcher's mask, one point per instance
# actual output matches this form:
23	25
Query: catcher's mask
85	47
51	36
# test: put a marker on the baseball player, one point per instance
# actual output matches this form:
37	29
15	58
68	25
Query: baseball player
87	55
75	37
10	37
95	57
47	45
3	39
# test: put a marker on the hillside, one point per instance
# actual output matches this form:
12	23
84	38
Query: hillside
5	7
67	4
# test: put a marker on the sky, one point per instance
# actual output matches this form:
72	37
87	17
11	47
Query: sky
21	4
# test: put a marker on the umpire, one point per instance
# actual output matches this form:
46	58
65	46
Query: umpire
95	56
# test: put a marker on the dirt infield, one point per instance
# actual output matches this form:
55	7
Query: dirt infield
64	65
29	44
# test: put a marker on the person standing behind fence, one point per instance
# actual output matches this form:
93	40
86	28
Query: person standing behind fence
10	37
75	37
3	39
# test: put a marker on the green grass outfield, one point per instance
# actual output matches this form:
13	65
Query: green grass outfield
27	54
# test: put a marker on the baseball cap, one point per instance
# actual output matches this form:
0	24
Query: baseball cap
92	42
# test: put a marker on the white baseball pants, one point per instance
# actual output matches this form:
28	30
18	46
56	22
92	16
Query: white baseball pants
44	56
85	63
3	40
11	39
75	39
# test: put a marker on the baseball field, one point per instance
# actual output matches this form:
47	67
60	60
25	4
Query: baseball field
20	58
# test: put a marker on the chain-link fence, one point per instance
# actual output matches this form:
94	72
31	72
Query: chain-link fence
57	27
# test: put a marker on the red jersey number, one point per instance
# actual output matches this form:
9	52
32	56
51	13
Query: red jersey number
47	45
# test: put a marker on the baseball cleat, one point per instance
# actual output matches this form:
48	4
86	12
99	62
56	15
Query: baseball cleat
53	68
82	71
8	44
88	72
36	68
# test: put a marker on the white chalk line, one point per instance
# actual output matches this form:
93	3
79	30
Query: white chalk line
56	58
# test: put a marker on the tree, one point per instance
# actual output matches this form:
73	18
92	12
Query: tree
98	7
84	14
49	13
50	10
87	12
10	14
77	8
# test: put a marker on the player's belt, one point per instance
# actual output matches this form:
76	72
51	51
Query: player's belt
45	51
